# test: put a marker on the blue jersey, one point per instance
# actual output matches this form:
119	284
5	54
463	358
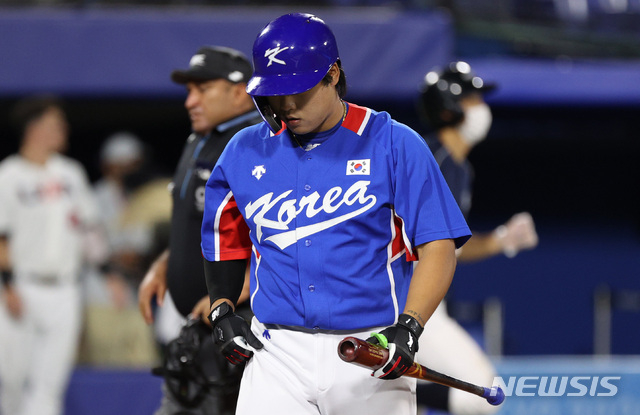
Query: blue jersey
331	230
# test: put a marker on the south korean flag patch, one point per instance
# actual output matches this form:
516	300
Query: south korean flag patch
358	167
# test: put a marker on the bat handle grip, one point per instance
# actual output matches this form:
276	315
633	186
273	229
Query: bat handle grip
495	395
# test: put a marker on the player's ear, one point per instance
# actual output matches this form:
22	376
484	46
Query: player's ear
239	90
334	71
239	93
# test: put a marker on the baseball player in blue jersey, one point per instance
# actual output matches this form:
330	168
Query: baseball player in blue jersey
329	201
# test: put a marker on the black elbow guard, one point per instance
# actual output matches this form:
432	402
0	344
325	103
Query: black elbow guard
225	279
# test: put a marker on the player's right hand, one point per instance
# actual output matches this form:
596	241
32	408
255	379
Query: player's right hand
153	285
201	310
232	334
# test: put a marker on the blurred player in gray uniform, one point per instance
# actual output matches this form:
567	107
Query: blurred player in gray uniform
46	209
452	103
198	379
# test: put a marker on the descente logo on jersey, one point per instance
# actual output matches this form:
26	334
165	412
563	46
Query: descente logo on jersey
258	171
288	209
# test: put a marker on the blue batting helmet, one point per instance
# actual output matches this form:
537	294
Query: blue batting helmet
291	55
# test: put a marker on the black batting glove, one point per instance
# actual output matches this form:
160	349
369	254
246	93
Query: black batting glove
402	341
232	334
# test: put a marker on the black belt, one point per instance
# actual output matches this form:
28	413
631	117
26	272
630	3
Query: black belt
44	279
317	330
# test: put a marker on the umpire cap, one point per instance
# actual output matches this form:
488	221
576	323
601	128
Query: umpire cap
215	62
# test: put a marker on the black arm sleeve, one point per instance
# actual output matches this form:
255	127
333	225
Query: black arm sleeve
225	279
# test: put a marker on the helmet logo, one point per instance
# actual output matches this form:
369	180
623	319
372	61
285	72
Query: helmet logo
271	54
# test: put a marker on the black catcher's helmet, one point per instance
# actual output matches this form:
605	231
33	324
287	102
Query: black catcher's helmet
441	90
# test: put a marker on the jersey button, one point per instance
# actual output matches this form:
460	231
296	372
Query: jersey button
307	187
307	242
312	288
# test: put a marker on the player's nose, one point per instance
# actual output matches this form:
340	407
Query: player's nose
287	102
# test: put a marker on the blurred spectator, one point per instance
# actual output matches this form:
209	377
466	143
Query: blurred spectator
121	155
46	209
452	103
131	222
134	203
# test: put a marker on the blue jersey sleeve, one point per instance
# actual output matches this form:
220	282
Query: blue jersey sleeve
422	197
225	234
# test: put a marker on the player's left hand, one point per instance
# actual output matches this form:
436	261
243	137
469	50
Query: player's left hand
402	341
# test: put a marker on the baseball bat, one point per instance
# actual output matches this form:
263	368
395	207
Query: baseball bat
373	356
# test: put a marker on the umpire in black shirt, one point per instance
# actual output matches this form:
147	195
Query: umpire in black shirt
198	379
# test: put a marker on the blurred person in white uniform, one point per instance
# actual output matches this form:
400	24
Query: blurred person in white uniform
46	211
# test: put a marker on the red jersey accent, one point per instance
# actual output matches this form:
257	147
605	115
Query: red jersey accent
398	244
355	117
283	127
233	234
